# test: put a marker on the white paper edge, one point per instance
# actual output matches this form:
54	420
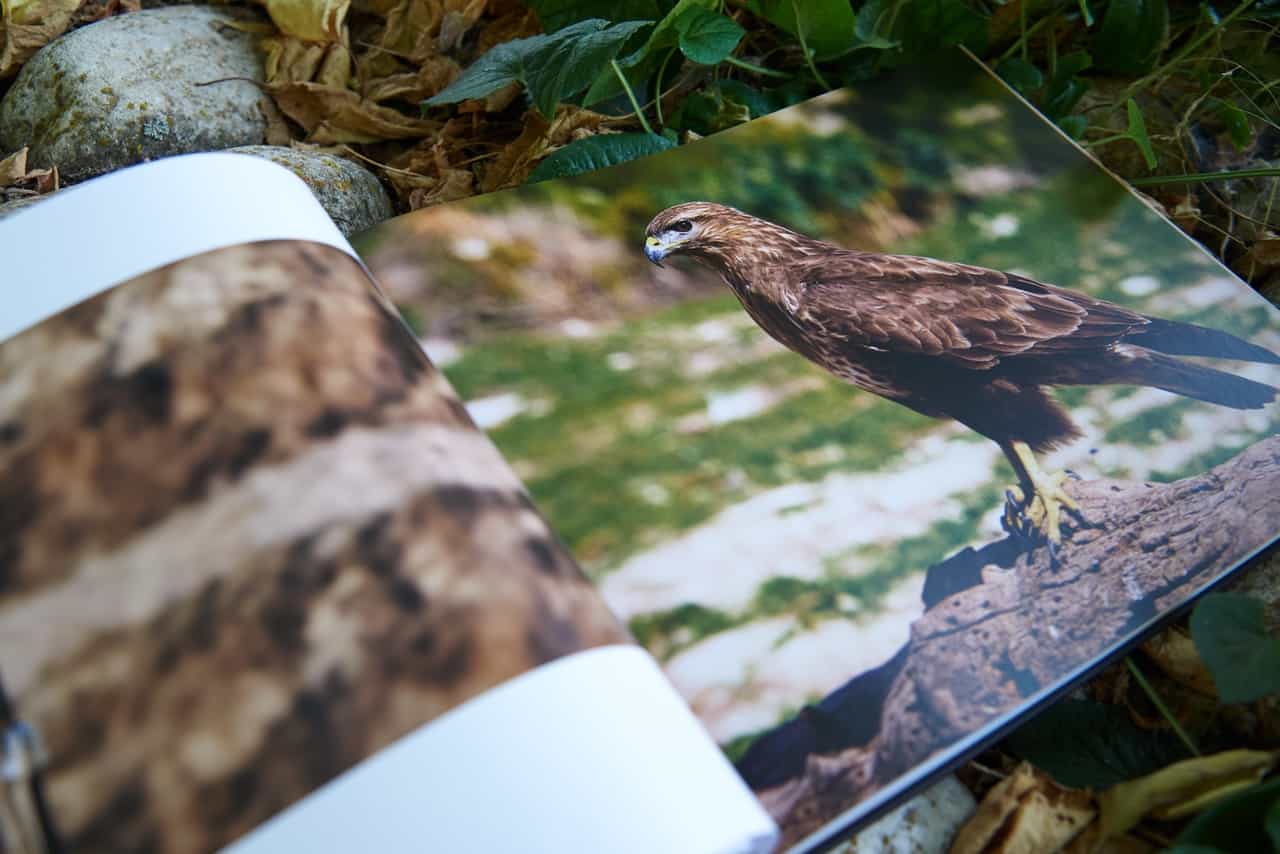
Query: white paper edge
592	752
91	237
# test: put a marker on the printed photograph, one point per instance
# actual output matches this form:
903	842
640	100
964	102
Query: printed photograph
248	537
873	418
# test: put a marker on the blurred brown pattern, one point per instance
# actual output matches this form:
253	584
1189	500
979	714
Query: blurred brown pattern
248	536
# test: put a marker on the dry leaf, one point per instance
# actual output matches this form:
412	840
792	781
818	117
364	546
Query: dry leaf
278	132
454	184
1026	812
332	115
1174	652
13	167
1181	789
310	20
536	141
27	26
435	74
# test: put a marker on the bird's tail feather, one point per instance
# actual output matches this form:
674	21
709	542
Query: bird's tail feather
1189	339
1207	384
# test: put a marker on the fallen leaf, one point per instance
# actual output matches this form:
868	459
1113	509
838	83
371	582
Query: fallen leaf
434	75
538	139
333	115
1025	812
28	25
310	20
1174	652
13	167
278	132
1181	789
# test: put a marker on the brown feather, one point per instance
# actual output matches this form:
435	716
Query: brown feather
946	339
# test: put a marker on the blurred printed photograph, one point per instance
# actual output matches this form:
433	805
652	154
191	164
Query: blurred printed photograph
248	538
874	419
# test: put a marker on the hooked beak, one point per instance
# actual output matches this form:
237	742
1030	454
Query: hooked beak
654	250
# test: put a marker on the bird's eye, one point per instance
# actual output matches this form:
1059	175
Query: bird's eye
682	225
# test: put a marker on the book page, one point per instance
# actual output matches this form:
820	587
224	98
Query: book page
867	508
264	584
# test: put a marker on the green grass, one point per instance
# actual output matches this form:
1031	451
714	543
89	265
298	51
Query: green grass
1152	426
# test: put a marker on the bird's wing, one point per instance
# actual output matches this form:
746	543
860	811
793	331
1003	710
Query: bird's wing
970	315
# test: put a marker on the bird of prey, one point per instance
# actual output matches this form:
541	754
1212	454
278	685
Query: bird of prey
955	341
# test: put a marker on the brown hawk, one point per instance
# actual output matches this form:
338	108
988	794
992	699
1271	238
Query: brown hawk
953	340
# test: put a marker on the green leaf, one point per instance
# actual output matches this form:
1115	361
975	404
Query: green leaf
1072	64
551	67
1073	126
1138	133
1231	637
1020	74
1237	122
873	23
756	102
597	152
1131	36
558	14
926	26
707	112
643	62
707	37
1062	97
1241	823
827	25
1082	743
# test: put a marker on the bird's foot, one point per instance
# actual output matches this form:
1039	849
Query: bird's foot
1039	519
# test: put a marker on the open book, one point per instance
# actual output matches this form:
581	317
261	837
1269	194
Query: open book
625	512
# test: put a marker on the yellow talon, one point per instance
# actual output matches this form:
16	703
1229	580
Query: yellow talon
1048	498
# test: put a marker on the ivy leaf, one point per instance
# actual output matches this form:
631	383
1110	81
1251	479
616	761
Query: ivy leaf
558	14
1061	98
826	25
550	67
597	152
870	28
707	37
1239	823
925	26
1073	126
643	62
756	102
1231	637
1020	74
1131	35
1082	743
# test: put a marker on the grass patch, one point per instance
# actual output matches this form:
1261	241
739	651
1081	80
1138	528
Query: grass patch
1152	426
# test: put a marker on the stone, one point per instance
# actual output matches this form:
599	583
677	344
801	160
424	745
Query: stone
128	89
350	194
14	205
925	824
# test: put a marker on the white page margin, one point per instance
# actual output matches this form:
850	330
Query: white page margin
93	236
592	752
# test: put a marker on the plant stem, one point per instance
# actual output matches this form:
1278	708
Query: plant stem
1106	139
755	69
631	96
1182	54
657	86
1197	177
1021	43
808	55
1161	707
